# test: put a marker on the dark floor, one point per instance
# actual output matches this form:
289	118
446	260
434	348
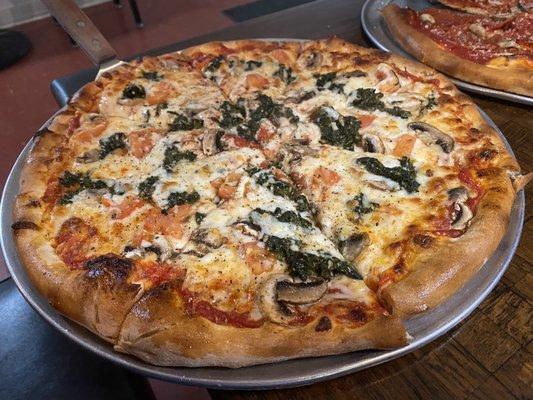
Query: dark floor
26	102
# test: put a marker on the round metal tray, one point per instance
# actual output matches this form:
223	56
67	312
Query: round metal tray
376	29
423	328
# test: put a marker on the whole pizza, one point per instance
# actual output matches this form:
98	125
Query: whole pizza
248	202
489	43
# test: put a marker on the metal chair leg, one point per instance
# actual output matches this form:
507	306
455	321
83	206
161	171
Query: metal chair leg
136	14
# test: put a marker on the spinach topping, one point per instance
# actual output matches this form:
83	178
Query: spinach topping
232	114
147	187
111	143
173	156
342	132
132	91
182	123
214	64
326	81
159	107
370	100
152	75
287	216
266	109
404	175
283	189
361	206
199	217
285	74
304	265
81	181
252	64
179	198
431	102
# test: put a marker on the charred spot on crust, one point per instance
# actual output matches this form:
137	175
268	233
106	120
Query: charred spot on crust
324	324
41	132
399	267
110	264
475	131
358	315
424	241
487	154
19	225
488	172
33	203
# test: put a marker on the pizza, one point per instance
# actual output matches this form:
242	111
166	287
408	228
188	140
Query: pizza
490	8
493	52
247	202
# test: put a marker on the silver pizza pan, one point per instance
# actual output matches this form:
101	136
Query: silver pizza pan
376	29
423	328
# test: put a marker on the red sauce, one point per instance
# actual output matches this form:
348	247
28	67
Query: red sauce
73	242
196	306
157	272
466	177
451	31
74	123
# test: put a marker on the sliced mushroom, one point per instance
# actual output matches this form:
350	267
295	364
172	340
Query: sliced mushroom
89	156
165	250
373	144
301	97
312	61
248	229
210	238
351	248
388	80
210	143
436	136
411	102
478	30
300	292
427	18
279	296
294	152
458	194
461	216
385	186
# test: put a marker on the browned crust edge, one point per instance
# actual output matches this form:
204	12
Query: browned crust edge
159	331
511	79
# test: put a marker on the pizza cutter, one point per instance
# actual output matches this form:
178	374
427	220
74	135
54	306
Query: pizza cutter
85	33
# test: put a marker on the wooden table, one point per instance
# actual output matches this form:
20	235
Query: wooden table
488	355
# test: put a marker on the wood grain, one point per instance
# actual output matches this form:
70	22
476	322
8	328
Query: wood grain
487	356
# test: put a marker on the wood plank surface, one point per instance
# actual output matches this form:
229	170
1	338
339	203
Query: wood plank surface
488	355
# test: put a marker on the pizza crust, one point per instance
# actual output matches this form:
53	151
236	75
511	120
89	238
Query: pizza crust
511	78
159	331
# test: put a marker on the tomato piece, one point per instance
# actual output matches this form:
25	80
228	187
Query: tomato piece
404	145
141	142
258	259
256	81
160	93
325	176
366	120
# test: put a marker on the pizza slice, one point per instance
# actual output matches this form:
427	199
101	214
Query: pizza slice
262	284
482	50
491	8
245	68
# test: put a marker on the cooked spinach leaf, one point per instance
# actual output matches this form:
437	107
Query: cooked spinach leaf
327	81
199	217
111	143
232	114
79	181
342	132
179	198
147	188
252	64
283	189
132	91
173	156
152	75
370	100
159	107
361	206
287	216
304	265
285	74
404	175
214	64
182	123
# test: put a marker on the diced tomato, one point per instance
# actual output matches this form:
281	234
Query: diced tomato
157	273
141	142
366	120
466	177
90	133
128	206
281	56
257	258
160	93
72	241
167	224
195	306
256	81
239	141
404	145
226	191
264	134
74	123
325	176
